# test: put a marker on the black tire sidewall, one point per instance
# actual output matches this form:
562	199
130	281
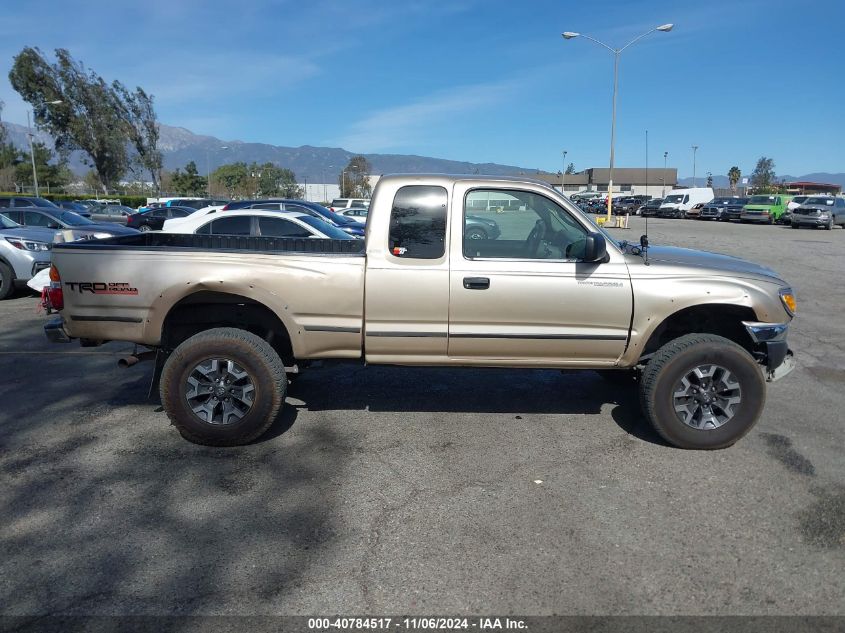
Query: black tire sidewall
734	359
263	375
7	281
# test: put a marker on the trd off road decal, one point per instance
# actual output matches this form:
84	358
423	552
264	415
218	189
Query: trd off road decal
101	287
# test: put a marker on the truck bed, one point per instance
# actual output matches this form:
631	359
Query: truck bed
169	241
124	288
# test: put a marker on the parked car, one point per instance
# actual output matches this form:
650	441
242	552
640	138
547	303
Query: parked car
59	219
793	204
76	207
824	211
170	223
153	220
723	209
694	211
10	202
344	203
195	203
629	204
650	208
765	208
23	253
359	214
112	213
347	225
679	201
257	223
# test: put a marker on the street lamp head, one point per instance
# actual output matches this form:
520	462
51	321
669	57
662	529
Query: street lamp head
568	35
665	27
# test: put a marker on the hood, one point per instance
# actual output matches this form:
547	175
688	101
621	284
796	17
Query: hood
30	233
669	256
104	227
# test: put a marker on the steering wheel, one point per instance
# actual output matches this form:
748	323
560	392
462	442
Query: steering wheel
532	244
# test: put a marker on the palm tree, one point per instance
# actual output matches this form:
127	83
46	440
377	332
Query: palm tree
734	174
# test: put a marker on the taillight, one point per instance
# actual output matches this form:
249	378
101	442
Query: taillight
55	297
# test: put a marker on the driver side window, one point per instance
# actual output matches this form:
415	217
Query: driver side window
513	224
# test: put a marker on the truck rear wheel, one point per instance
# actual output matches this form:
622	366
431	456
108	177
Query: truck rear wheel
702	391
223	387
7	281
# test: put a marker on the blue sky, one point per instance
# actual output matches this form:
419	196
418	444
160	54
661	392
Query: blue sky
477	80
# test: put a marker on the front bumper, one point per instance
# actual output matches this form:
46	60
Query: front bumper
809	220
770	338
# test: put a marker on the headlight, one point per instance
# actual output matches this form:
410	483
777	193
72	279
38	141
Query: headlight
823	216
28	245
788	300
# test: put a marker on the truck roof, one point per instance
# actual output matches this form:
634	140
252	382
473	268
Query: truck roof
446	179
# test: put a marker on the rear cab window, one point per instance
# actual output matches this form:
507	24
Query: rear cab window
418	222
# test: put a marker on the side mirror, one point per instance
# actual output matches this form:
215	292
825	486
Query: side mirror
595	248
53	225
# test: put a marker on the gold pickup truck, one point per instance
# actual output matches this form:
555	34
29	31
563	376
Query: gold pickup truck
455	271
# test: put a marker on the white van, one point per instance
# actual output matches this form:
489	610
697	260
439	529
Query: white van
678	201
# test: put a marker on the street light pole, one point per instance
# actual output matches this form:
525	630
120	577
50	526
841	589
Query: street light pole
694	150
32	153
31	145
665	157
568	35
563	174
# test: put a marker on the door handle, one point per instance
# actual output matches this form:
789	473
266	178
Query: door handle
476	283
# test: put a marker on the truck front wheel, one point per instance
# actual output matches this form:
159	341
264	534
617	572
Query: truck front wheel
702	391
223	387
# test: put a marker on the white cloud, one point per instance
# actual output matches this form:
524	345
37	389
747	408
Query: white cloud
411	123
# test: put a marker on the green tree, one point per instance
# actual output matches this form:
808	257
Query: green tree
709	179
355	178
51	174
188	182
570	168
233	177
141	125
271	180
88	117
763	177
734	174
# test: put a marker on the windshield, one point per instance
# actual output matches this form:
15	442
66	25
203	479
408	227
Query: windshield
69	217
41	202
761	200
723	201
325	228
6	223
820	201
674	199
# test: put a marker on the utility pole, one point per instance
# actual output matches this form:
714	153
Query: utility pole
694	150
646	162
665	157
563	174
32	153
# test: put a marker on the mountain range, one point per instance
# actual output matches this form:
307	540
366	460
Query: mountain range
323	164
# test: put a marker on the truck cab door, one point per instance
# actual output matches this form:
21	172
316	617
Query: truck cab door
520	295
406	300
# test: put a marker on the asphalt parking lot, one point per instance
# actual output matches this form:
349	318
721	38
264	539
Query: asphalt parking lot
429	491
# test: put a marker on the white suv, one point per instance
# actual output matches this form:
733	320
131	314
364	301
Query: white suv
338	204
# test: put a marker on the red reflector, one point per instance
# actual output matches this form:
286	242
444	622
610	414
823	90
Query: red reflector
55	298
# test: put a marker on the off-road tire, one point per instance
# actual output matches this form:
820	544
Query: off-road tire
7	281
254	355
673	361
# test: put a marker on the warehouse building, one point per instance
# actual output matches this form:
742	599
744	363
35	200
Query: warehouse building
631	181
